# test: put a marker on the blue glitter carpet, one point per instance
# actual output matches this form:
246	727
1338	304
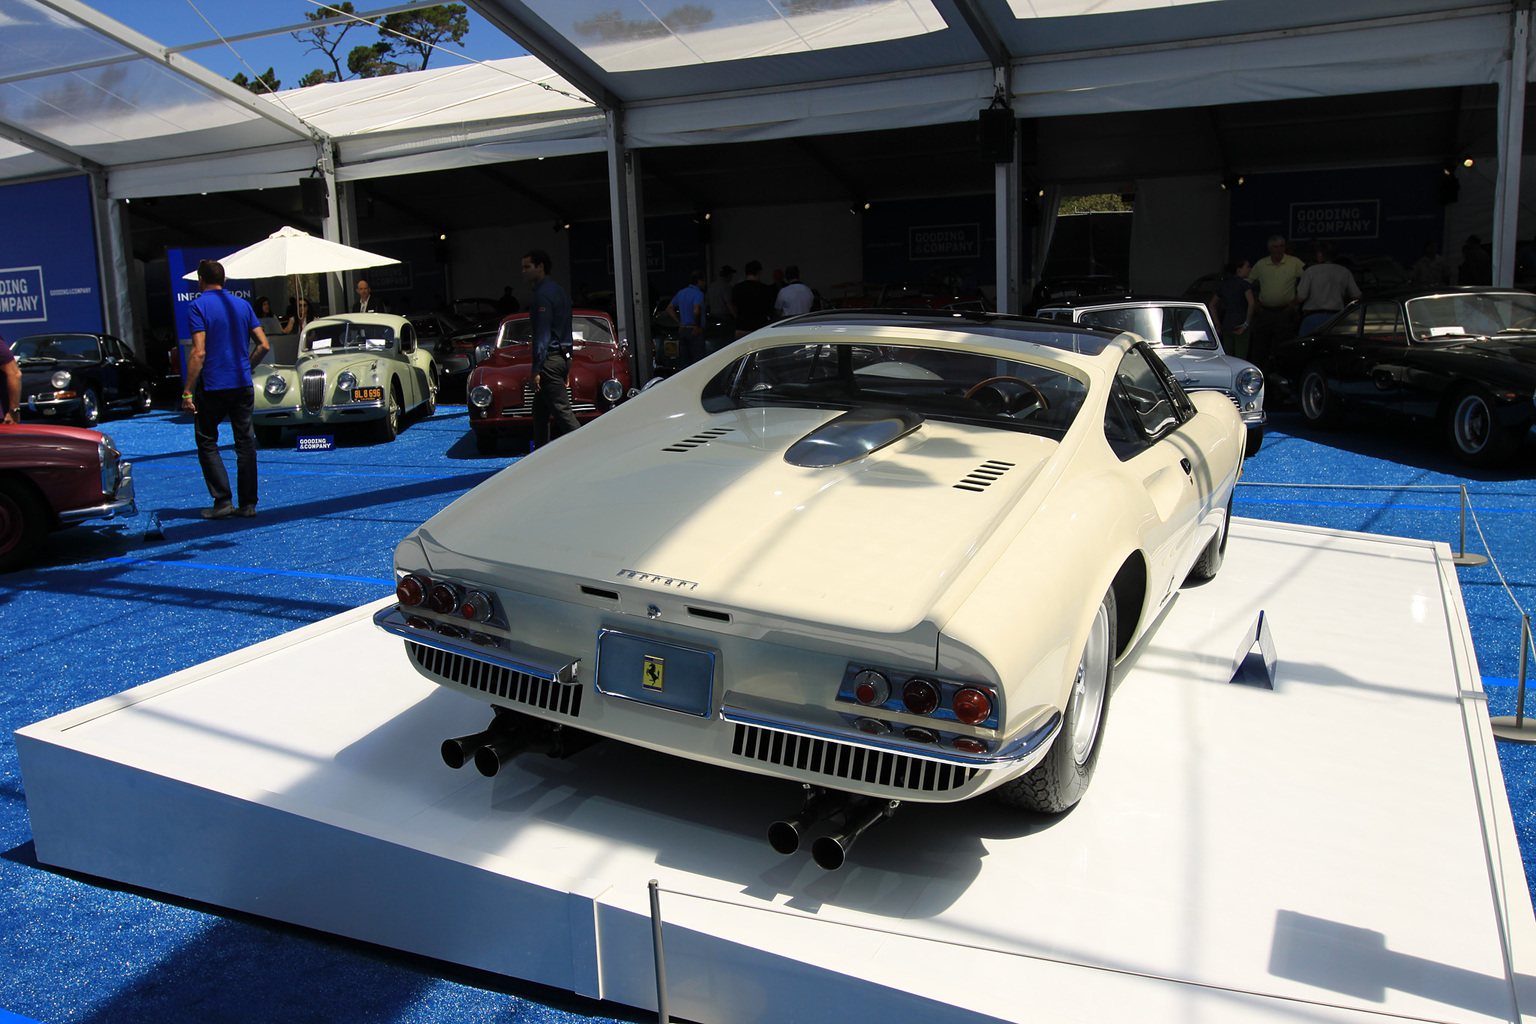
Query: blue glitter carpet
107	610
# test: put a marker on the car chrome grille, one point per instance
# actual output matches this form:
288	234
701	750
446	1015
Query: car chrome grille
983	476
502	683
526	409
703	437
846	761
1191	389
312	390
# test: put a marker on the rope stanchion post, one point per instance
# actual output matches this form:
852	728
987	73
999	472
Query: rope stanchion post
1515	728
661	963
1462	558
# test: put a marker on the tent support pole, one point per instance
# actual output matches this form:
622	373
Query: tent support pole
1006	207
331	227
1506	189
112	263
628	224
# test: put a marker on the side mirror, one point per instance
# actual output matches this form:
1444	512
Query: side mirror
482	353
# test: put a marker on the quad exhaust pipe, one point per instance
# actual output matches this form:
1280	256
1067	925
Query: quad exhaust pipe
847	815
509	736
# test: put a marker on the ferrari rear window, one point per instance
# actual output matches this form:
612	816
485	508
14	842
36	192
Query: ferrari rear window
942	384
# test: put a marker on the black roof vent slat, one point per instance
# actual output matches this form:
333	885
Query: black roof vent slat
983	476
703	437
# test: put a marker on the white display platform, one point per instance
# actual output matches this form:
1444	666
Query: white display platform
1338	848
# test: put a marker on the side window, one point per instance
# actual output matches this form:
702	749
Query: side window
407	338
1148	405
1383	323
1348	324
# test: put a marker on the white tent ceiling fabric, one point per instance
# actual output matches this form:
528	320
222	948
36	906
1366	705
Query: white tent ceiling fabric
160	130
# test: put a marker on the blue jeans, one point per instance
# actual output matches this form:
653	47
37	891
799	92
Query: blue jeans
213	407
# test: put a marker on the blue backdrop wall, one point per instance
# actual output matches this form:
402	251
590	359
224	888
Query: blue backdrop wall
49	280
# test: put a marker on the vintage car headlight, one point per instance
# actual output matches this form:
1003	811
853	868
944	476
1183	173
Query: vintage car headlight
612	390
275	386
346	380
1250	381
480	396
60	379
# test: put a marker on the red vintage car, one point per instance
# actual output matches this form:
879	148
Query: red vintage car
500	388
52	477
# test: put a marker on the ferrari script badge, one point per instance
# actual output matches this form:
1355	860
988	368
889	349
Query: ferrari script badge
655	668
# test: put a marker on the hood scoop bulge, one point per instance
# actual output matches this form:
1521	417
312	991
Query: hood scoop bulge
852	436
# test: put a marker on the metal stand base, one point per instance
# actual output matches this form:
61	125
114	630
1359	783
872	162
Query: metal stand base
1504	728
1468	559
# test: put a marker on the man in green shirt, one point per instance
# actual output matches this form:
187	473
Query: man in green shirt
1275	280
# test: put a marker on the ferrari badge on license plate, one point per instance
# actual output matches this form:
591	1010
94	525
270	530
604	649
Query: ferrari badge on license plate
655	668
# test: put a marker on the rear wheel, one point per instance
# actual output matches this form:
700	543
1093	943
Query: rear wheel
146	400
485	442
1476	434
429	407
23	523
1319	402
1255	442
1209	563
1060	780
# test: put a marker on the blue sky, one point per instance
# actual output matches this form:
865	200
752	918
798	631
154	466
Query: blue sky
173	22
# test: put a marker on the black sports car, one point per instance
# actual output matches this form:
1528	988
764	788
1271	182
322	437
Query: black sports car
80	376
1463	357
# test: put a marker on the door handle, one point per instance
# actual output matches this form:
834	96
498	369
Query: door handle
1184	465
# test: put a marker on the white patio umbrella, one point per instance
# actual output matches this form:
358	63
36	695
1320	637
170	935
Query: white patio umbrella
289	251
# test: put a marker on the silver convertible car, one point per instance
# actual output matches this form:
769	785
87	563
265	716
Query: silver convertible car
1186	338
890	556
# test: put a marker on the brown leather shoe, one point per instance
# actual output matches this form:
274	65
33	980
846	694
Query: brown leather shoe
223	511
246	512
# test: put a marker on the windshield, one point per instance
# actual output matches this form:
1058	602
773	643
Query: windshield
1164	326
56	346
1472	315
585	330
345	337
942	384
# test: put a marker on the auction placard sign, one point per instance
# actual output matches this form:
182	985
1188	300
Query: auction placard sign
48	278
944	242
1336	221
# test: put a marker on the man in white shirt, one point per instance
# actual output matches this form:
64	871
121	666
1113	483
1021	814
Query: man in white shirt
794	298
1325	289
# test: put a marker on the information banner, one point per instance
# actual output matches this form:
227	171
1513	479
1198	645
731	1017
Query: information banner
48	271
185	261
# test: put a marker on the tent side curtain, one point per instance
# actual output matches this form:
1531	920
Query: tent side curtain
268	167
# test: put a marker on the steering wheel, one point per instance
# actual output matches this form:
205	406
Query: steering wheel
1006	395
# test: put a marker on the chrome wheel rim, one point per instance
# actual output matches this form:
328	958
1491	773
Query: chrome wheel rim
1087	704
88	407
146	400
1313	392
1472	424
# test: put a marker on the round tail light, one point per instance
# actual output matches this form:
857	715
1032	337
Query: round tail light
918	735
972	706
443	598
410	590
476	606
968	745
870	687
921	697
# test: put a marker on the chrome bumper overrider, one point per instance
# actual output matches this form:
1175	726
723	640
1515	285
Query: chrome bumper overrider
1039	731
508	654
122	504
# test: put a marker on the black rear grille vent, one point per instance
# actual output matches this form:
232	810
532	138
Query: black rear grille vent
502	683
846	761
984	475
688	444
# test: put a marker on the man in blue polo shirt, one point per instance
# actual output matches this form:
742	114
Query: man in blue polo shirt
549	320
218	386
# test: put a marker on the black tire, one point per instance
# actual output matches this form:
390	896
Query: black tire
485	442
1059	781
269	437
90	409
1209	563
146	400
388	426
1255	442
1320	405
429	407
1473	428
24	521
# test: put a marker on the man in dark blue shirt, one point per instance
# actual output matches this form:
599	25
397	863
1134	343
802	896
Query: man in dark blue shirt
549	318
218	386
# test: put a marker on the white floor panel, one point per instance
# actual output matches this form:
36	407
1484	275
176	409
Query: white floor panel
1336	849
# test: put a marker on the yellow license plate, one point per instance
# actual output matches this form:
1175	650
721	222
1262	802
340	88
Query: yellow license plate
367	394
